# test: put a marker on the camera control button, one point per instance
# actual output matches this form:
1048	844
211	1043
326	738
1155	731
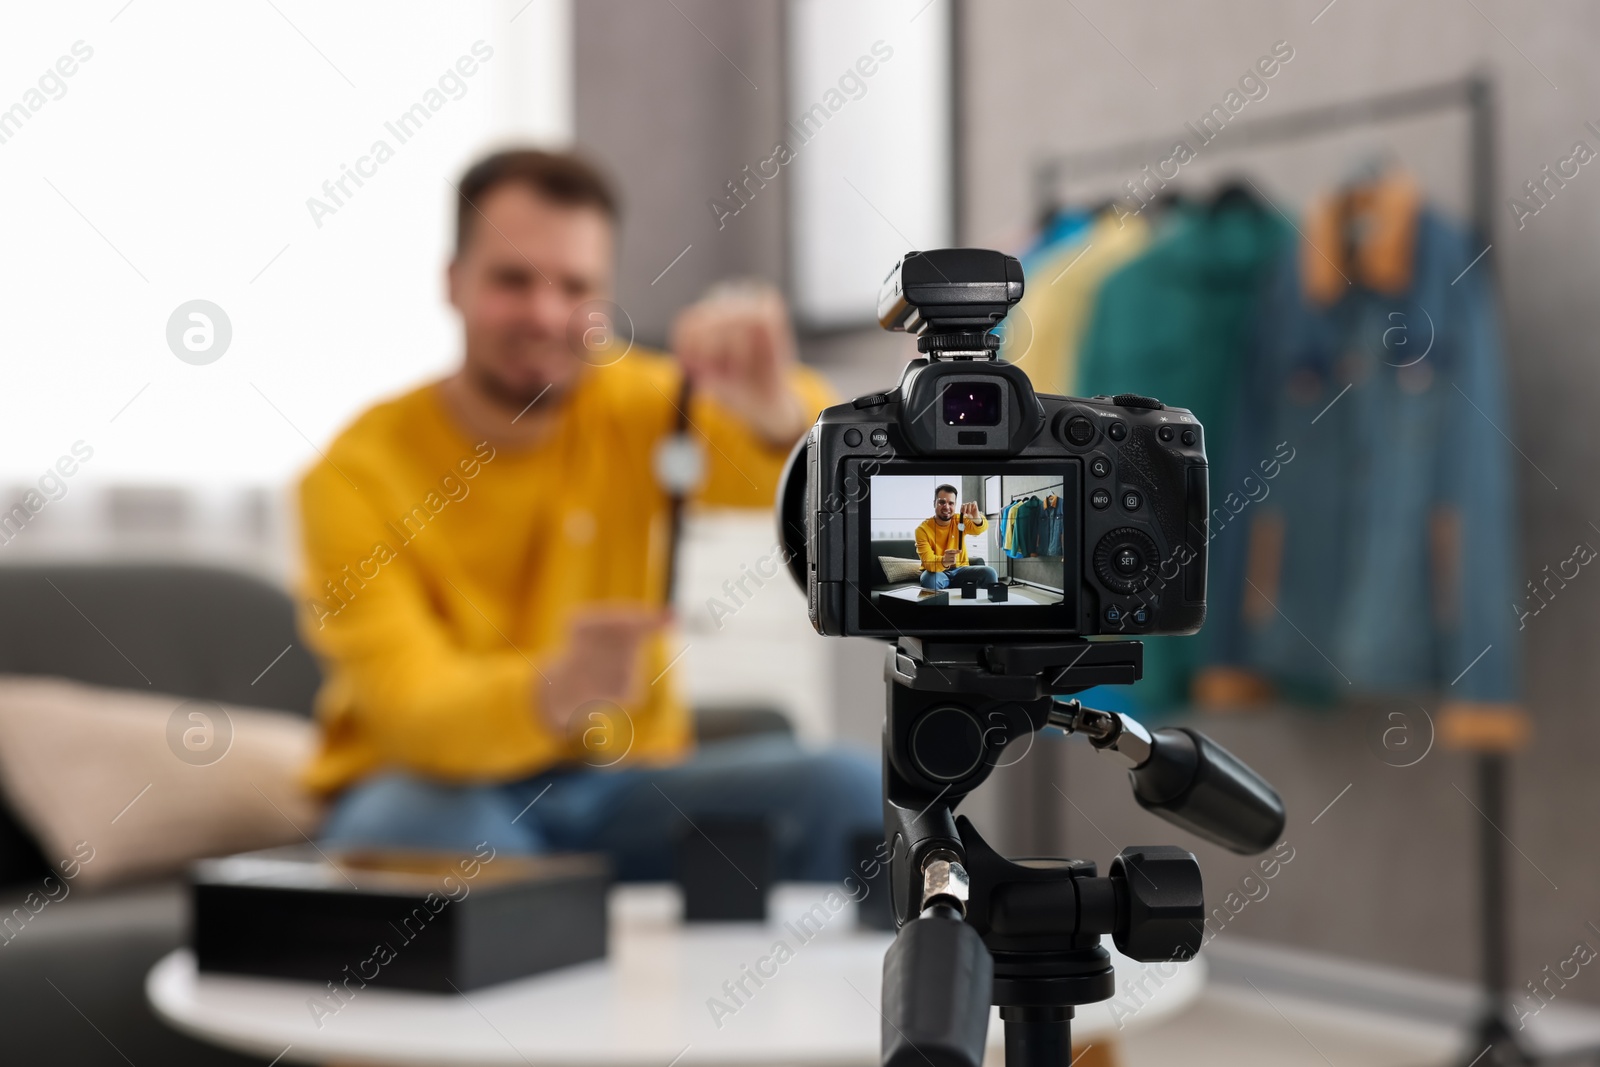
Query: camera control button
1166	433
1118	430
1100	467
1101	499
1131	500
852	437
1190	437
1140	616
874	400
1123	558
880	437
1114	614
1080	431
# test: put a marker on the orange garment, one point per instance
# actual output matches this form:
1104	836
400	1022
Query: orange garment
1383	215
439	571
934	540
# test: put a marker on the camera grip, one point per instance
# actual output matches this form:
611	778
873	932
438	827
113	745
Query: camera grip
1193	782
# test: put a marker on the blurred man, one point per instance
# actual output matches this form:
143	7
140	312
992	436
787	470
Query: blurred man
942	543
486	559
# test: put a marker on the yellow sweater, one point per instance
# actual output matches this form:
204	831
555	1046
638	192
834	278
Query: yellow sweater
438	570
933	540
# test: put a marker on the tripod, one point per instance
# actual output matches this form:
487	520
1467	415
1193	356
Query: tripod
977	929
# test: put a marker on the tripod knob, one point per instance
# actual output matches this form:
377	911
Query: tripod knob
1166	907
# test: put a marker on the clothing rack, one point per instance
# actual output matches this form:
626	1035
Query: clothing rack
1053	489
1475	94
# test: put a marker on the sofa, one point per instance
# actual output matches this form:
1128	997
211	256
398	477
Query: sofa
73	987
878	581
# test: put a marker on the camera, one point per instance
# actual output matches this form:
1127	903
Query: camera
990	533
963	504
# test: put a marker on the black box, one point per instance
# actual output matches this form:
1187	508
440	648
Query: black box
725	868
409	920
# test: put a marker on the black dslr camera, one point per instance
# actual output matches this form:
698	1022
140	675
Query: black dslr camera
990	532
1091	513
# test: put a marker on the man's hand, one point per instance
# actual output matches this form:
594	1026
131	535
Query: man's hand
969	512
949	559
737	347
600	662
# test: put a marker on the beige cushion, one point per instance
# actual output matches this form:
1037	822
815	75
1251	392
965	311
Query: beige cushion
144	782
900	570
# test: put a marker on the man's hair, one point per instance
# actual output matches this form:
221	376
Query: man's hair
563	178
946	489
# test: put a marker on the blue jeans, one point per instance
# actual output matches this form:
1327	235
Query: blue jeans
814	803
958	576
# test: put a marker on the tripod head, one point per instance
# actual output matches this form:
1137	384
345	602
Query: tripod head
976	928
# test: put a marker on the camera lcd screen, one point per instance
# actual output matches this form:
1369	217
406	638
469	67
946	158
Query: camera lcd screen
972	404
954	546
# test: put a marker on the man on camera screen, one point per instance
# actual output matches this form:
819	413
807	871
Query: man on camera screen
942	544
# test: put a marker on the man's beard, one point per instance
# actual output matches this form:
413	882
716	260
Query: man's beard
516	397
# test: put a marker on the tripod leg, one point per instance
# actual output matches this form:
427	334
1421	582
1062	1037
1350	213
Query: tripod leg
1038	1037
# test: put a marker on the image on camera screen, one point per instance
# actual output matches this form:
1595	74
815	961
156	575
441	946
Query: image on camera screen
968	540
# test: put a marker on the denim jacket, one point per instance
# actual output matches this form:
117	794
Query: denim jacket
1393	524
1050	535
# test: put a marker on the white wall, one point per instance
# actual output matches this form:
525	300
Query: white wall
900	502
177	164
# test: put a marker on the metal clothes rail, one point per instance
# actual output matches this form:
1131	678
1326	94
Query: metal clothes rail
1474	93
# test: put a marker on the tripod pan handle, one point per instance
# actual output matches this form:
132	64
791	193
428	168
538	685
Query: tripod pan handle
938	979
1193	782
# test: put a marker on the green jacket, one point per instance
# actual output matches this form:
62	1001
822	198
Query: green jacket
1176	324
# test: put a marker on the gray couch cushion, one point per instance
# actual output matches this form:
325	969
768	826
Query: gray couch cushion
191	631
898	550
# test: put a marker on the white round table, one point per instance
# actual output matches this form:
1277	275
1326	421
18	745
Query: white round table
649	1004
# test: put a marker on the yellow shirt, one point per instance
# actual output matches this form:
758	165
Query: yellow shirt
933	540
438	570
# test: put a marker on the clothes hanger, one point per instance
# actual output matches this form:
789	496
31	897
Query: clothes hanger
1355	193
1232	192
1167	201
1369	169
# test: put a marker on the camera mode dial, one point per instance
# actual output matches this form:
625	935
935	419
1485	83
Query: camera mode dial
1134	400
1123	559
